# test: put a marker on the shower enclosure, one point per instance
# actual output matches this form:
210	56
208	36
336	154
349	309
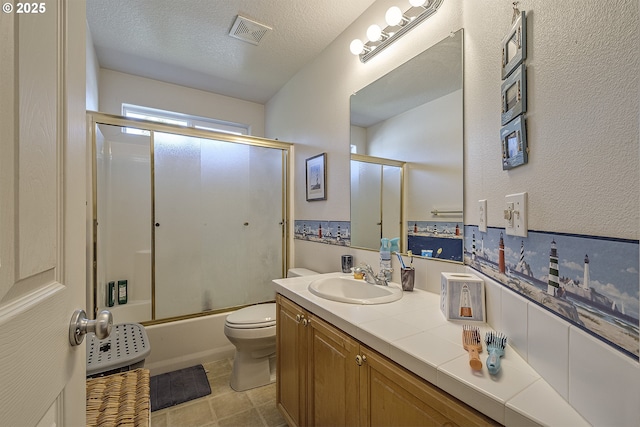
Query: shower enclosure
194	221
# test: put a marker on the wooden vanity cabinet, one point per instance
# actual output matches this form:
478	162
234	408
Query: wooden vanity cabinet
291	352
327	378
317	377
392	396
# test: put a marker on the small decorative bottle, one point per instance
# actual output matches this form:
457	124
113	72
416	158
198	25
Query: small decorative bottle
122	291
111	294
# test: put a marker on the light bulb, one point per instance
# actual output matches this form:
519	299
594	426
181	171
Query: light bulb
393	16
374	33
356	47
417	3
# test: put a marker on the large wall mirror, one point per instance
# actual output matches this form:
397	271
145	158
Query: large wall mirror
412	116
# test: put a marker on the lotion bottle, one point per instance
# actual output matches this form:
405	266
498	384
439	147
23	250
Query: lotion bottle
385	257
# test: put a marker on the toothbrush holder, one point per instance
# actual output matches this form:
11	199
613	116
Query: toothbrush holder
407	277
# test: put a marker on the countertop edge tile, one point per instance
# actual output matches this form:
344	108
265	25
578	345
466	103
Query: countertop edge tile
557	413
477	400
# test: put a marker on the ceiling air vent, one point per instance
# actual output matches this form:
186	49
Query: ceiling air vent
247	30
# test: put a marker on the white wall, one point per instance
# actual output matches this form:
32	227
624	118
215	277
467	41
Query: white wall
312	109
93	69
432	146
582	176
582	67
91	100
582	123
117	88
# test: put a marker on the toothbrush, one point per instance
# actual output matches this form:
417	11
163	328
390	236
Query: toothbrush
410	259
401	260
472	342
495	346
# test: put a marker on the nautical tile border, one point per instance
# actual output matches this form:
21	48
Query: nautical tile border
590	281
329	232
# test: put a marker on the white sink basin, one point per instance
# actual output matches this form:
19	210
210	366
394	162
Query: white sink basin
349	290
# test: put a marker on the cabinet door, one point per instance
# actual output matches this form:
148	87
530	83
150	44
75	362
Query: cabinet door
291	362
332	392
391	396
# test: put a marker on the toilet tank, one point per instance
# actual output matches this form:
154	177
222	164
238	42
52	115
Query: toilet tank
298	272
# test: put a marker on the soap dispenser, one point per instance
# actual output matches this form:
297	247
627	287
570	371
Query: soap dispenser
395	245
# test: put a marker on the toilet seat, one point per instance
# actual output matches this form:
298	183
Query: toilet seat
253	317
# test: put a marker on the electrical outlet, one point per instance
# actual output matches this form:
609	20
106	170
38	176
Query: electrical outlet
482	223
515	214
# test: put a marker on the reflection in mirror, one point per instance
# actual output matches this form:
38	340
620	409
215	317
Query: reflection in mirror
376	192
414	114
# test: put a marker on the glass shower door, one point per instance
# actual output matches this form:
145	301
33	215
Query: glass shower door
122	211
218	231
366	199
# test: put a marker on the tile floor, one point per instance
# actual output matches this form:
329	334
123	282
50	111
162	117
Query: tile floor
224	406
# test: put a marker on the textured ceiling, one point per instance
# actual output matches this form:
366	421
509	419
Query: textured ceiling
187	42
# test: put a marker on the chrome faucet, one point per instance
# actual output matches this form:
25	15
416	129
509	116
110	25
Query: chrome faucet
373	278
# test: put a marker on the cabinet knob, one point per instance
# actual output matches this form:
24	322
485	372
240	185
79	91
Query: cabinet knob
305	322
359	360
298	317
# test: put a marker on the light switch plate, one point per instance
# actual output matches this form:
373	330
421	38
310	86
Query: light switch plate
519	224
482	222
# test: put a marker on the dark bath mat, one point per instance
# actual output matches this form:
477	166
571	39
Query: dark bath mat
177	387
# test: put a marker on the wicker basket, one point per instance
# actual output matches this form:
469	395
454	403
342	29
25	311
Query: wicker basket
119	399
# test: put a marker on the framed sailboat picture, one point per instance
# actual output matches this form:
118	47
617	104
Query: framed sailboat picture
316	177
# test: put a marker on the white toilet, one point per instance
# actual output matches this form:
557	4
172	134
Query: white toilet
252	330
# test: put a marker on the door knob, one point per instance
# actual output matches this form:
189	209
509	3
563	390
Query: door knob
80	325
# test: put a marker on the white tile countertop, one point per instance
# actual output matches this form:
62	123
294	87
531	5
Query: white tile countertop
415	334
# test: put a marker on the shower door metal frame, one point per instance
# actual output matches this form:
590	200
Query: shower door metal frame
95	118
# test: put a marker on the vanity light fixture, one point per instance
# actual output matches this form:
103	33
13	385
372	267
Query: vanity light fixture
398	23
394	17
375	33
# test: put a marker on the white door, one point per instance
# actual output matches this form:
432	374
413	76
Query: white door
42	211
